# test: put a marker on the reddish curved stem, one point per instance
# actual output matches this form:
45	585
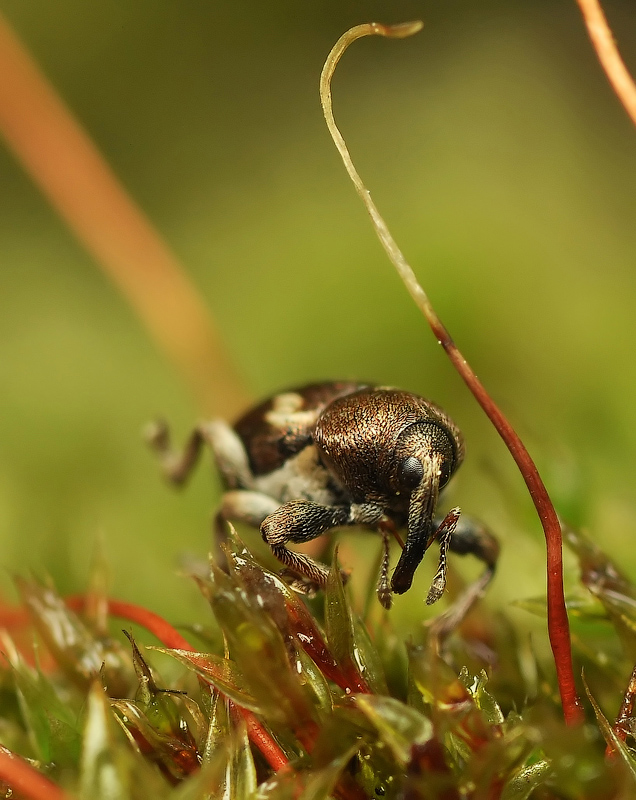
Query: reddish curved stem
26	780
558	623
558	626
172	638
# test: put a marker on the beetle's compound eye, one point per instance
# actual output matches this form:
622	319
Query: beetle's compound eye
411	472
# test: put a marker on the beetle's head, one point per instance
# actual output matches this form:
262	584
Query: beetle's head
427	453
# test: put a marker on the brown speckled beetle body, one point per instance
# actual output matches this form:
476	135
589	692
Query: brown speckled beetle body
334	454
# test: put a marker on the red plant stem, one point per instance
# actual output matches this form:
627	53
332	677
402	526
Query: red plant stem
558	625
171	638
268	747
141	616
26	780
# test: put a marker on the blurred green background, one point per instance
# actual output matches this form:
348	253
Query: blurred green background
503	164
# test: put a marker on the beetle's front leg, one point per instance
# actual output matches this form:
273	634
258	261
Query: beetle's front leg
469	537
301	521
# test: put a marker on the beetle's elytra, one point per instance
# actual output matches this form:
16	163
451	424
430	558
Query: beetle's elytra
333	454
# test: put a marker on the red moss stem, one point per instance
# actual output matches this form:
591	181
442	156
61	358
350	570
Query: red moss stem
26	780
558	623
558	626
263	741
170	637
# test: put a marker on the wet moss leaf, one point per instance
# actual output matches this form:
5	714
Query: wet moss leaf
484	701
218	733
398	726
109	769
340	631
162	707
53	725
619	747
321	783
368	658
242	773
177	755
338	618
258	648
284	785
314	680
66	636
222	673
72	644
521	785
288	612
209	783
435	681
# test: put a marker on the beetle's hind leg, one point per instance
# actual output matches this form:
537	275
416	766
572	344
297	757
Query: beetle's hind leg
227	448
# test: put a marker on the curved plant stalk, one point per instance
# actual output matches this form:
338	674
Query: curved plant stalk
607	52
171	638
558	625
26	780
71	172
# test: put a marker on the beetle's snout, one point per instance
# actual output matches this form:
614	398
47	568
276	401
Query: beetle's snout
420	523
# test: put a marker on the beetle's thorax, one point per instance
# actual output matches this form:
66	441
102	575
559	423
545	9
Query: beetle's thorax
358	438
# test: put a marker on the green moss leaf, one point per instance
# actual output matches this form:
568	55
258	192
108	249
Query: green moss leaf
222	673
110	770
73	645
399	726
484	701
521	785
53	724
259	649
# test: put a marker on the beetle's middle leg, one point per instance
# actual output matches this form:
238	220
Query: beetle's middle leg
301	521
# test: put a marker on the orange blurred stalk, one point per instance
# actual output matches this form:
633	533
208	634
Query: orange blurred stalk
607	52
18	774
66	165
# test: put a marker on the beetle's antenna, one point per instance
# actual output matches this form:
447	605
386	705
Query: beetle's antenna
558	624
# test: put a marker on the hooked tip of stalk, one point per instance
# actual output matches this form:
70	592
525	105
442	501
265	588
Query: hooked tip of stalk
399	31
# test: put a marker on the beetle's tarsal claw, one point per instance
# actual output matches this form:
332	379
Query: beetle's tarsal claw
437	589
385	596
444	534
299	584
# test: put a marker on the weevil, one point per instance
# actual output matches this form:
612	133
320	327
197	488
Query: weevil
329	455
